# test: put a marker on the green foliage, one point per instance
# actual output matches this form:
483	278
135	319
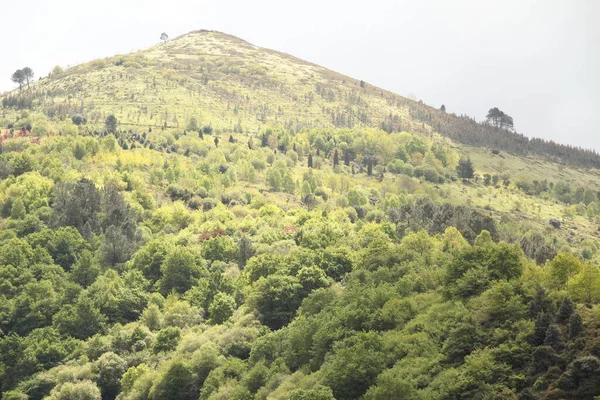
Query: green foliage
167	339
221	308
317	393
110	124
176	382
180	270
83	390
354	366
145	263
276	298
110	367
563	267
465	168
81	320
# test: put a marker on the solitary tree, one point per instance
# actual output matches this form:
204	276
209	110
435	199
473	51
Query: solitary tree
465	168
111	124
193	125
18	77
443	108
499	119
164	37
27	74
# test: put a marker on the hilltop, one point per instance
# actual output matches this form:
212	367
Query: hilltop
234	86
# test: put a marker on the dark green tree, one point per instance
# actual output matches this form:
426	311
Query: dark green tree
354	366
77	204
27	74
81	320
575	325
245	250
565	310
499	119
276	298
552	336
111	124
18	77
177	382
180	271
167	339
465	169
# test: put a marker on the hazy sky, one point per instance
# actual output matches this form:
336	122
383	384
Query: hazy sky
538	60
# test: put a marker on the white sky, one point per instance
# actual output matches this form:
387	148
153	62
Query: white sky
538	60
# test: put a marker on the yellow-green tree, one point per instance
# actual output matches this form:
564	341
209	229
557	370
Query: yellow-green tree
585	285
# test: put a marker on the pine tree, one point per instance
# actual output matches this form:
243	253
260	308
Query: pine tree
245	250
575	325
543	321
552	336
111	124
336	159
18	77
566	310
465	168
310	161
370	167
347	157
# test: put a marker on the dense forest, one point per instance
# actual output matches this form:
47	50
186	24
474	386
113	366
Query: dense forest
324	264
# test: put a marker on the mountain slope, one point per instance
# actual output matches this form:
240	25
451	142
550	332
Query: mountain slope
222	81
233	85
264	260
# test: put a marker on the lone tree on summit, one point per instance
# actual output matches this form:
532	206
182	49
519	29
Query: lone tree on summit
27	74
164	37
18	77
499	119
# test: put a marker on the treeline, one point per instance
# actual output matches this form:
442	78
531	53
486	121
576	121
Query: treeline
466	130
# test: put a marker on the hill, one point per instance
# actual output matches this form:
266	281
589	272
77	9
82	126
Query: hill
232	85
206	219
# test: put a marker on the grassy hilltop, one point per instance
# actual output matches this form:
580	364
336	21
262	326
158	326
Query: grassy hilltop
207	219
221	80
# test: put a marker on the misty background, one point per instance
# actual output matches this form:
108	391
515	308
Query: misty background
539	61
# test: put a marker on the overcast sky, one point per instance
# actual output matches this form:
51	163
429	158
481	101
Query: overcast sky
537	60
